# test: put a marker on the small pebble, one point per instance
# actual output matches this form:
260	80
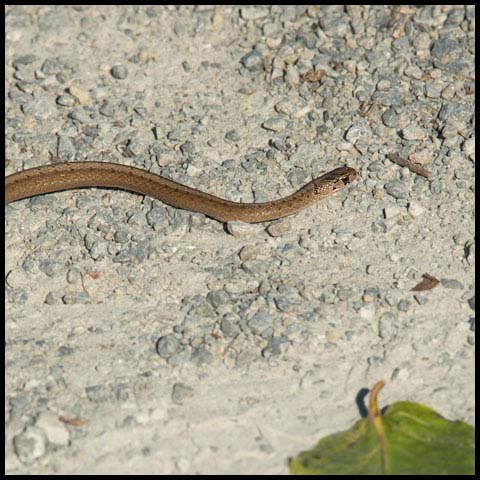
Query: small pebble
55	430
30	445
413	133
242	229
119	72
279	228
396	189
167	346
452	283
181	392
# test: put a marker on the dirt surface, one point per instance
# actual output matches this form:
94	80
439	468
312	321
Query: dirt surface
142	339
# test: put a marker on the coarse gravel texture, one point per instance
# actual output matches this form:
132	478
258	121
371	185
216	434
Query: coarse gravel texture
146	339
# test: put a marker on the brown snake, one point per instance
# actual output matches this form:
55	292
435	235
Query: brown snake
65	176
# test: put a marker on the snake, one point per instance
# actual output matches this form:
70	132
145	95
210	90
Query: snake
71	175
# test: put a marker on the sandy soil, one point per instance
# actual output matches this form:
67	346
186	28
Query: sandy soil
145	340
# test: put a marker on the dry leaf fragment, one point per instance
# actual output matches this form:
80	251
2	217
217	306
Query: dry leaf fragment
312	76
428	282
75	421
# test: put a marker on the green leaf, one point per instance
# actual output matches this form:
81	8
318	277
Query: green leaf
408	439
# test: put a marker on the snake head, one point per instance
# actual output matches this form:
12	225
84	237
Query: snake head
335	180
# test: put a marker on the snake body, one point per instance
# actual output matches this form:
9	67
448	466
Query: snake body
66	176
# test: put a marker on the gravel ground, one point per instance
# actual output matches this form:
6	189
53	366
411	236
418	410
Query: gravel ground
146	339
